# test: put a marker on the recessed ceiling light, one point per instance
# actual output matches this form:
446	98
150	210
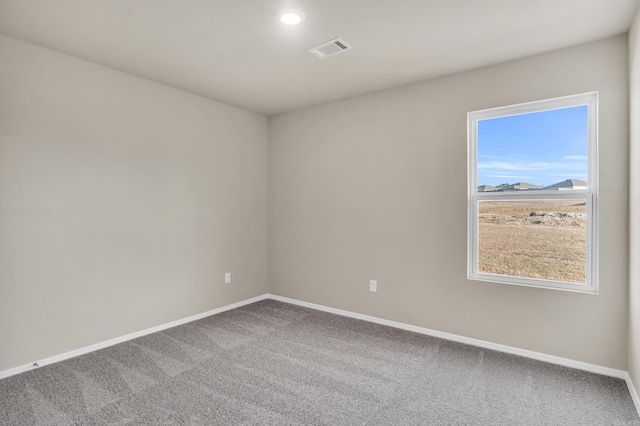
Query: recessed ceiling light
291	16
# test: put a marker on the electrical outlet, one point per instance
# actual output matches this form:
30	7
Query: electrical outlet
373	286
227	278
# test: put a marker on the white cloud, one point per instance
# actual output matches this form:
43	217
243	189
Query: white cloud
531	166
511	177
570	175
575	157
511	165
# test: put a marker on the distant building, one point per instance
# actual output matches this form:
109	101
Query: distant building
486	188
568	184
520	186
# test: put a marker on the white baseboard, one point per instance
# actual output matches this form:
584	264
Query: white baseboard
605	371
111	342
632	391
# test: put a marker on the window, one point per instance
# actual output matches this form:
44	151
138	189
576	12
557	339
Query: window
533	194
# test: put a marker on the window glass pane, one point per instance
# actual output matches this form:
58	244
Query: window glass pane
543	239
539	150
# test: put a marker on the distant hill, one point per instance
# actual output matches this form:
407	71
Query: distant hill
525	186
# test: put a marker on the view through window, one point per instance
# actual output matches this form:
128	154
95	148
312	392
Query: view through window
531	215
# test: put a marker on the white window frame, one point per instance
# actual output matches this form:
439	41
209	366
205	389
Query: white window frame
590	194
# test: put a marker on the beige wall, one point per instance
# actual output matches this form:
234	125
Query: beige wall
122	203
375	188
633	363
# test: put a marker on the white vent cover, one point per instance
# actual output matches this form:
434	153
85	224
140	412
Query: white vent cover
330	48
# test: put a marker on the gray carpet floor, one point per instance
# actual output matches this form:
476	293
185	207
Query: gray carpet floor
272	363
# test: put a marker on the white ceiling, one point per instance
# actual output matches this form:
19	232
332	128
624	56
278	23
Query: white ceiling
237	52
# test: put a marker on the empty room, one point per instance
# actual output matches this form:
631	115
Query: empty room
312	212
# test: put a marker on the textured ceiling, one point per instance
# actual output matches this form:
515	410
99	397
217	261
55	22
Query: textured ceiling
236	51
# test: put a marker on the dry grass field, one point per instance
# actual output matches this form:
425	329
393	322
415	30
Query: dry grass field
533	239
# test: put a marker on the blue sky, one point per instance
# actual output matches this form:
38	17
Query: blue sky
541	148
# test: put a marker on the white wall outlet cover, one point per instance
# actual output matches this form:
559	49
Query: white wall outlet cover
227	278
373	286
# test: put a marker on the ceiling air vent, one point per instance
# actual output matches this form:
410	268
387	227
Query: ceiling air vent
330	48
